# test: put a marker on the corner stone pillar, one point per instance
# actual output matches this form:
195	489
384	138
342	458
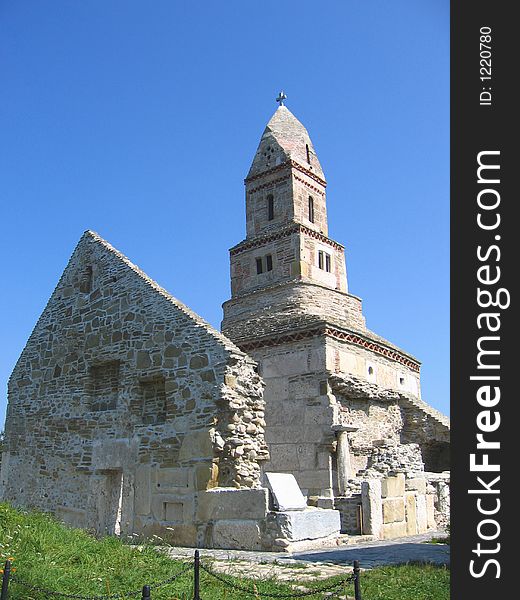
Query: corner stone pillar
344	466
372	507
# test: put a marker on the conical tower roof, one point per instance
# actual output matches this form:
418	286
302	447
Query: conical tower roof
285	138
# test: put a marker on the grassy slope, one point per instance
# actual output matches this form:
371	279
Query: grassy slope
51	555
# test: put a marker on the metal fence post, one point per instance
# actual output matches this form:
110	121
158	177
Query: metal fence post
5	580
196	576
357	587
146	592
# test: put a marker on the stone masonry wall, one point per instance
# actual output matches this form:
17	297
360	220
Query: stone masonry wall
124	404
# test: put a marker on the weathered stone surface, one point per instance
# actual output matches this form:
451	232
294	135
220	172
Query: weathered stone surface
416	484
227	504
411	513
372	507
133	398
240	534
143	490
430	511
393	530
393	510
285	491
308	524
422	514
393	486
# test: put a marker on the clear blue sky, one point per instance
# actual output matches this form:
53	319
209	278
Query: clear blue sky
140	119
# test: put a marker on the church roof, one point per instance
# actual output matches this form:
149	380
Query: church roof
285	138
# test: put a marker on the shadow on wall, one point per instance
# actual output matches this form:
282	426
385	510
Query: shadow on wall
436	456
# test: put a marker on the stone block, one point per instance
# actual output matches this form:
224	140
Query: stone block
173	512
283	456
393	486
114	453
172	478
236	534
285	491
196	445
142	490
416	484
393	530
229	504
372	508
308	524
172	507
430	511
393	510
422	516
314	479
411	513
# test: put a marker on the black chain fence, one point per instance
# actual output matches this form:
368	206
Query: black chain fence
145	593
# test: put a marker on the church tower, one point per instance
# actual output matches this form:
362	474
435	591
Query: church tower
287	263
327	377
286	215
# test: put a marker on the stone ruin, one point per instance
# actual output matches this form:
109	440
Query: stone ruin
128	414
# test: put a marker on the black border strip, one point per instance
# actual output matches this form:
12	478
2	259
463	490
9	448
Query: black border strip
483	120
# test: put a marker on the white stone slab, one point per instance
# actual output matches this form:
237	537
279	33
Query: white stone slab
286	492
308	524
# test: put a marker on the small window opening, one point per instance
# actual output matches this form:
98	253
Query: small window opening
269	263
103	386
401	380
270	207
308	153
311	209
370	370
259	266
327	263
85	283
324	261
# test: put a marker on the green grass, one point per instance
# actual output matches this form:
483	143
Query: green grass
406	582
51	555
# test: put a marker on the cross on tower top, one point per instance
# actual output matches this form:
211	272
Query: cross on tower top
281	98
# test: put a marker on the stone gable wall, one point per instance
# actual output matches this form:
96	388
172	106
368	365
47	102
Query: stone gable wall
121	391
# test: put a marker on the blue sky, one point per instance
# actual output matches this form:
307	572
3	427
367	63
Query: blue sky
139	120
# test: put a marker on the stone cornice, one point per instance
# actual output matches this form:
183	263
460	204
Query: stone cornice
281	233
287	164
327	329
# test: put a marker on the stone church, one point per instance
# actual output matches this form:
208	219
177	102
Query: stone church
129	414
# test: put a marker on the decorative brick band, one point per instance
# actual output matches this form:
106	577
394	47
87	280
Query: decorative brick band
270	183
338	334
285	165
280	339
374	346
296	228
307	184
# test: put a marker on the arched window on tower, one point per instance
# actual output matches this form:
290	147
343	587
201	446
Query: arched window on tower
308	153
311	209
270	207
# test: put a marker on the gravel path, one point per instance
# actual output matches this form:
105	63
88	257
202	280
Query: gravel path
325	562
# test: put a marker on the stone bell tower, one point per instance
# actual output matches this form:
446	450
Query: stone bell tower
286	215
290	310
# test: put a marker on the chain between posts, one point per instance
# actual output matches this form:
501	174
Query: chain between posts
257	594
145	592
142	592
